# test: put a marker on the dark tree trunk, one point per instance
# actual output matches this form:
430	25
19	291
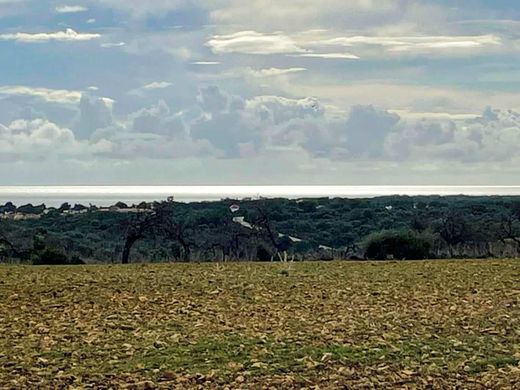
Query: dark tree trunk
129	243
5	242
186	249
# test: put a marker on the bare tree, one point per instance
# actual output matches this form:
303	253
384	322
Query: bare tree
137	228
265	222
174	228
7	247
509	228
232	239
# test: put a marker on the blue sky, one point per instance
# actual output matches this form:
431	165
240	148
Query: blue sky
259	92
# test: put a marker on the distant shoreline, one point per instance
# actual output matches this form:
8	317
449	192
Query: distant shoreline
108	195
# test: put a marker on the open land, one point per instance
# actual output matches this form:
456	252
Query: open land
428	324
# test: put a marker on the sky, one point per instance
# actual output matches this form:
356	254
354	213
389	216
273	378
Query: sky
259	92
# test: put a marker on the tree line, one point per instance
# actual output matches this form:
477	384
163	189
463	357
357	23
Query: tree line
268	229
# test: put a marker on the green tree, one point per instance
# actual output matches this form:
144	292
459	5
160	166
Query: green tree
402	245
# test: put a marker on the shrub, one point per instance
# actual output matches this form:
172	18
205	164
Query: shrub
51	257
263	254
397	244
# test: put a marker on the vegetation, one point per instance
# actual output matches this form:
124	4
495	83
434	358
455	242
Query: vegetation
267	229
431	324
400	245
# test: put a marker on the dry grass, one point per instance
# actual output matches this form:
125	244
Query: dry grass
357	325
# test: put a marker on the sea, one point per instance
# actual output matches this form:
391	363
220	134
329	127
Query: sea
108	195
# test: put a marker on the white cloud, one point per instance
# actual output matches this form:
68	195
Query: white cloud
109	45
70	9
273	72
158	85
414	43
319	44
38	140
91	21
68	35
332	56
206	63
252	42
49	95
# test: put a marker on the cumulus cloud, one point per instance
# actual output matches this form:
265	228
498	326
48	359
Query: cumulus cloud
493	136
158	119
70	9
366	130
212	99
152	133
241	128
94	113
277	109
37	140
69	35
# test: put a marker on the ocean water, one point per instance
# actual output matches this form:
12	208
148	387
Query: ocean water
108	195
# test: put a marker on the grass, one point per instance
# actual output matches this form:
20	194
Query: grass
438	324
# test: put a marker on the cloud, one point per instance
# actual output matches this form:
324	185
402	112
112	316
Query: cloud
244	128
273	72
366	130
212	100
70	9
94	113
49	95
138	9
138	146
109	45
277	109
158	85
414	43
241	128
252	42
151	133
69	35
332	56
206	63
158	119
37	140
305	13
319	44
493	136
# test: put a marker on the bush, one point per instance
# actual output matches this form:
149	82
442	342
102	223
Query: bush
399	245
51	257
263	254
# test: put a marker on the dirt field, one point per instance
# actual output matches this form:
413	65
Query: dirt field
311	325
